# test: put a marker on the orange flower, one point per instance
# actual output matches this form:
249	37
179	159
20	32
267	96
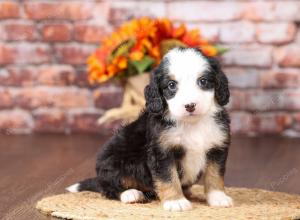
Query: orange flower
192	38
179	32
111	70
136	55
209	50
155	53
122	63
139	38
137	52
165	28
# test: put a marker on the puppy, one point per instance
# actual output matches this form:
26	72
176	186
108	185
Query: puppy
183	133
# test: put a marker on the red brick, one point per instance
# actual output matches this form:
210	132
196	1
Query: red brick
290	100
272	10
259	123
9	9
237	100
44	96
125	10
6	98
253	100
42	75
89	33
73	53
242	77
280	78
85	120
17	76
56	75
264	100
56	32
268	100
82	78
24	53
106	98
7	54
270	123
58	10
50	120
15	31
276	33
258	56
241	123
15	122
3	36
204	10
237	32
288	56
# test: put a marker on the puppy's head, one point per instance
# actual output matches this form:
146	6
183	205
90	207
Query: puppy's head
186	85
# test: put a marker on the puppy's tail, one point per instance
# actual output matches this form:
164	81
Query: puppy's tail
85	185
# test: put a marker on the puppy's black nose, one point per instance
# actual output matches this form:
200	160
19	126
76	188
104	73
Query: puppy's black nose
190	107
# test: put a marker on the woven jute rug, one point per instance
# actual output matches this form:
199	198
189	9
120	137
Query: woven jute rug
249	204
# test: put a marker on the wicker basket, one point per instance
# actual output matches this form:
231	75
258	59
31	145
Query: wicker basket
133	101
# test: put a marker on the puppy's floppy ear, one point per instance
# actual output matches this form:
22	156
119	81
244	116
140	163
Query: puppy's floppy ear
222	93
154	99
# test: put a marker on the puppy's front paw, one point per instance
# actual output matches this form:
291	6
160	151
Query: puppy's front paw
177	205
218	198
132	196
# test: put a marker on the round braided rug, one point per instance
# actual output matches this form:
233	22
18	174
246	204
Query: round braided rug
249	204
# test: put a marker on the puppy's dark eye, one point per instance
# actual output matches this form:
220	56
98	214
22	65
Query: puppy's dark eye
172	86
202	82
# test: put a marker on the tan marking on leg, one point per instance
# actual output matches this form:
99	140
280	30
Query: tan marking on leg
170	193
214	187
212	178
128	182
131	183
169	190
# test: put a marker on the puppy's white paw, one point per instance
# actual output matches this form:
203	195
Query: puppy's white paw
178	205
132	196
218	198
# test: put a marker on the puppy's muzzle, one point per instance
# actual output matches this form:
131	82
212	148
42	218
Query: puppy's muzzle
190	107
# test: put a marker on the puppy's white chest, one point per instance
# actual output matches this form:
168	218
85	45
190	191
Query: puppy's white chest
196	139
196	146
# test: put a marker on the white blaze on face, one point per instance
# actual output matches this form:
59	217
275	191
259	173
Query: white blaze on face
186	66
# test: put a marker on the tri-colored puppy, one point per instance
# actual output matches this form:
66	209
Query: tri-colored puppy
182	133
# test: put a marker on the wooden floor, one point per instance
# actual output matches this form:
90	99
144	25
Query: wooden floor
32	167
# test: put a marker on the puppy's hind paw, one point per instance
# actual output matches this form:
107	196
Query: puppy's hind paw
178	205
132	196
218	198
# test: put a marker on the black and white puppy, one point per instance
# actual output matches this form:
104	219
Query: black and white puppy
182	133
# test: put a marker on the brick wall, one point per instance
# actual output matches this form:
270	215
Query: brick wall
44	45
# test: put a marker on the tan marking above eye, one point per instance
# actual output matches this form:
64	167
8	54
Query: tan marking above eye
172	77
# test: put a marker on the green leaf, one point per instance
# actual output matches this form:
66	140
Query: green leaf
122	49
143	64
221	50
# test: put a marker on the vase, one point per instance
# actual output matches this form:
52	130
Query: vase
133	101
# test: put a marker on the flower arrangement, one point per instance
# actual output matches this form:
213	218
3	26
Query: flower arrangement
138	45
135	48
